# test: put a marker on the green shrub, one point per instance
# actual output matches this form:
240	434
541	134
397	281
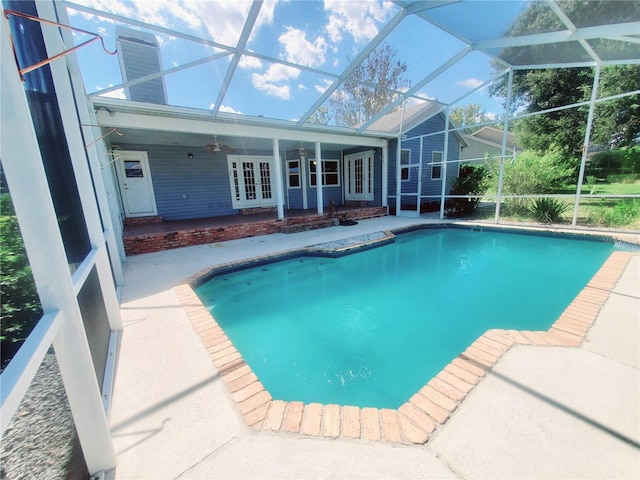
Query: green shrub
624	161
472	180
20	307
548	210
626	178
530	173
623	213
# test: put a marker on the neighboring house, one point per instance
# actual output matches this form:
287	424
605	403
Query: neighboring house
487	143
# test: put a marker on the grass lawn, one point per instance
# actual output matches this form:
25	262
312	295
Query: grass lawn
615	189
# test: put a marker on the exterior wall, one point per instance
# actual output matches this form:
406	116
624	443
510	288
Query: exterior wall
478	150
187	188
139	55
431	144
199	187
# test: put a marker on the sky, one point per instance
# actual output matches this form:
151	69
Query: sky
322	35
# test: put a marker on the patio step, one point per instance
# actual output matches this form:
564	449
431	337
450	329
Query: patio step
303	227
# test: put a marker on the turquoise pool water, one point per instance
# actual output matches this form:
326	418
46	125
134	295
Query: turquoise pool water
370	329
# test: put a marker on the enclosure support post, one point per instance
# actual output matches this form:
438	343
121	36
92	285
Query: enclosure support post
443	165
585	146
385	175
503	150
279	182
398	167
319	179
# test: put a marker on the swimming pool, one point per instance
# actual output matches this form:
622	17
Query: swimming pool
370	329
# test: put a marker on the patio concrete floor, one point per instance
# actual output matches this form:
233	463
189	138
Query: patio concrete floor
541	412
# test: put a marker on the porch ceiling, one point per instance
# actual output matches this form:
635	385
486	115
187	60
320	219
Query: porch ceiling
198	141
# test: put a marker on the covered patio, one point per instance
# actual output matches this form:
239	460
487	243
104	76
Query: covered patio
156	236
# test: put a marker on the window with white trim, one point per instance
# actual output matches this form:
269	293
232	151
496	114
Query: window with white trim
436	167
330	173
293	174
405	161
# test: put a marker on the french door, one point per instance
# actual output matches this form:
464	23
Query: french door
251	179
358	172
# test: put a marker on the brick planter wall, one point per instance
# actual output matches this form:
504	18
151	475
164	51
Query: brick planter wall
157	242
142	220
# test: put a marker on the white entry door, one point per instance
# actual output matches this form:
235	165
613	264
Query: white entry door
136	185
358	172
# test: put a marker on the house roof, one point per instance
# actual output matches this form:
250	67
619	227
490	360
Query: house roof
493	136
409	119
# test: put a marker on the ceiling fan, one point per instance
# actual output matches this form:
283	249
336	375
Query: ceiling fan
302	152
216	146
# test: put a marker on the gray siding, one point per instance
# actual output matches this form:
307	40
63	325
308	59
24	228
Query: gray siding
139	56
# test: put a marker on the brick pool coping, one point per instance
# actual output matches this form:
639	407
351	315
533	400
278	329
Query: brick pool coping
417	419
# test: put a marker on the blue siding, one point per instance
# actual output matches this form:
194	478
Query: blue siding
204	180
431	144
294	199
187	188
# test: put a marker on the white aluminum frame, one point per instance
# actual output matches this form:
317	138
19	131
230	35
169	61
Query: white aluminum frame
62	324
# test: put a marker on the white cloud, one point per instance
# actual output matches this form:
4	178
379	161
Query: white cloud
470	82
302	87
280	91
227	109
223	20
298	49
273	81
356	18
324	84
249	63
492	115
114	94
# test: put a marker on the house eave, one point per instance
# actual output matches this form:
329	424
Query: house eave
146	116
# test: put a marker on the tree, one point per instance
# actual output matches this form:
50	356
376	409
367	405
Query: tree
371	86
469	114
20	308
535	90
320	116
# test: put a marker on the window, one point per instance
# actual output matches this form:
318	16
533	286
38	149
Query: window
436	167
405	159
132	169
293	173
330	173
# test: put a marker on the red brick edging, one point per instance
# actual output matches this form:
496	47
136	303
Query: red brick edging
430	407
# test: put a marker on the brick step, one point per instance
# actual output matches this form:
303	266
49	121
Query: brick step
304	227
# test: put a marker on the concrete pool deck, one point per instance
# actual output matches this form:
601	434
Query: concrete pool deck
540	412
